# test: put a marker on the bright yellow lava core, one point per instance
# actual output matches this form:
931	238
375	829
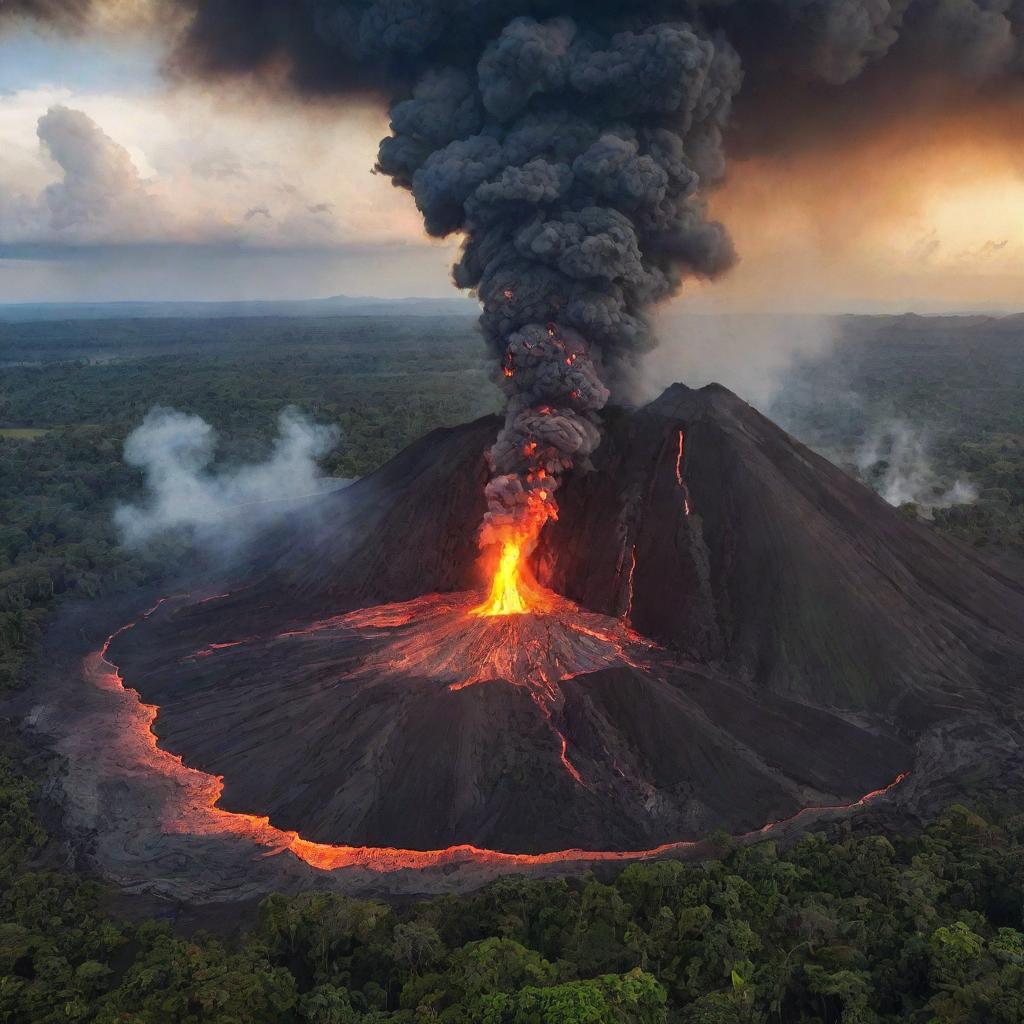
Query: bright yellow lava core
505	597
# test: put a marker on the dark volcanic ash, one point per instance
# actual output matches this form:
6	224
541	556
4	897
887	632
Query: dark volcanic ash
571	159
570	143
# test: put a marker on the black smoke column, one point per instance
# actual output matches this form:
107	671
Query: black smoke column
571	156
570	141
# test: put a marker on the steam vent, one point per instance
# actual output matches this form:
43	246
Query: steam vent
720	631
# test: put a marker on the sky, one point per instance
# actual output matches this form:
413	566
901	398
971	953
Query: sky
116	185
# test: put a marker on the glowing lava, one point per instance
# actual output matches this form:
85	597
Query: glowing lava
446	638
191	808
513	590
680	482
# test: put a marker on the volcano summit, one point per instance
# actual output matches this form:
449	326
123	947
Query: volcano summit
721	631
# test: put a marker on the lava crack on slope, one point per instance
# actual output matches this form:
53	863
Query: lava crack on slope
442	638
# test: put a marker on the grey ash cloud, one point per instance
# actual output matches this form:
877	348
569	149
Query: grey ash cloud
571	158
572	145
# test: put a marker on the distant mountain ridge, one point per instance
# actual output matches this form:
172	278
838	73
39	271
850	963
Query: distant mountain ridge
335	305
370	305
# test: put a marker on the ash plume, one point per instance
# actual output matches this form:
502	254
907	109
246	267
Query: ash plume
572	144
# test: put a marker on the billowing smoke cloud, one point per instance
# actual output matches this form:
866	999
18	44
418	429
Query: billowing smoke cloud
575	182
225	507
571	142
896	461
571	158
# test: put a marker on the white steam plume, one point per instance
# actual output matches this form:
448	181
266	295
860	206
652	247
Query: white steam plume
175	451
894	459
752	354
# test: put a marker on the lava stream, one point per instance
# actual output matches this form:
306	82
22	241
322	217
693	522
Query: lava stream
680	482
193	810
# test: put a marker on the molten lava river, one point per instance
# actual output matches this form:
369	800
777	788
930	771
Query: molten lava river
518	633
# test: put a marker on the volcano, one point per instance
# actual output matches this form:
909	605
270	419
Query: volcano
728	630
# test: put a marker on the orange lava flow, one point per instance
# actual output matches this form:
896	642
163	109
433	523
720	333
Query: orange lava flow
191	806
628	615
679	474
438	636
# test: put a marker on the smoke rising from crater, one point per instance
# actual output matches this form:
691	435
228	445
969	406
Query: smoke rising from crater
571	160
572	144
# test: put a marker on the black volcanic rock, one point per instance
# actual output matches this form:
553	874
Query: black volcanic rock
794	576
811	637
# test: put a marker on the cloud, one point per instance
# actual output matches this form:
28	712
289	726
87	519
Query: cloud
179	168
218	165
925	248
218	507
100	196
992	246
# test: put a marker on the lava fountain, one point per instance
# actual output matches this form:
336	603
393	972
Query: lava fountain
513	590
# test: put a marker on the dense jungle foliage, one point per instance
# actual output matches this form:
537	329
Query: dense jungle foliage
860	931
865	929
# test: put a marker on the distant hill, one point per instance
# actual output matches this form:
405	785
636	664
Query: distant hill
335	305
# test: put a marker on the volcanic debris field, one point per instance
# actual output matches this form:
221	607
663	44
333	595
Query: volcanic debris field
738	637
